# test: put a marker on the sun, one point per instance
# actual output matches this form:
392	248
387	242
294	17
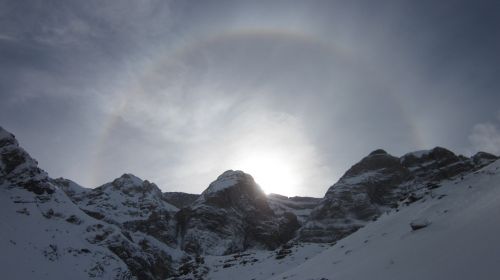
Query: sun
273	173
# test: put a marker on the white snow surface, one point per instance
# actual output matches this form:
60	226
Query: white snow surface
461	240
257	264
360	178
224	181
36	247
122	201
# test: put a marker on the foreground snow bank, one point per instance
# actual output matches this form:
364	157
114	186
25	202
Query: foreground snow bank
460	240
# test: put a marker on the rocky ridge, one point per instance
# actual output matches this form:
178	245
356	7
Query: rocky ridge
380	182
54	237
129	229
232	215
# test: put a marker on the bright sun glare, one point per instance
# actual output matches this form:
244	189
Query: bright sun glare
273	173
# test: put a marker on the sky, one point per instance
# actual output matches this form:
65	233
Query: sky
292	92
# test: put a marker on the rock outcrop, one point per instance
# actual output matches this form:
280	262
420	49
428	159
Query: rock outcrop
298	205
231	215
53	236
180	199
380	182
129	229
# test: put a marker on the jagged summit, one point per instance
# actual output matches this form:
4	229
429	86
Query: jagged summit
435	154
378	152
378	182
127	179
18	168
128	229
231	215
483	158
376	161
228	179
6	137
129	183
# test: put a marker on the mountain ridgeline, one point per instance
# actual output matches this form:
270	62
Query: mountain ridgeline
129	229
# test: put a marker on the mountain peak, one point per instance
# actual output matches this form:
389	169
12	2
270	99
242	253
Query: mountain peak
226	180
129	184
19	168
378	152
6	138
128	179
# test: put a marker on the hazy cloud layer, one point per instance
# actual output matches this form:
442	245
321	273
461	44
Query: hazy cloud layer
179	91
486	136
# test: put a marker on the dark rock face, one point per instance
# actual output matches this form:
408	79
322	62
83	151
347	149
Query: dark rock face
231	216
157	266
381	181
481	159
19	169
104	251
159	225
361	194
300	206
133	230
436	165
180	199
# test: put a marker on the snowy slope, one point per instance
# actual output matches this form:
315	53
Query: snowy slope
460	242
127	229
43	240
254	264
45	235
380	182
126	198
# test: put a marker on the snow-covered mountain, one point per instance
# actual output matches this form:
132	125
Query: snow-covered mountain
232	215
457	239
380	182
45	235
384	218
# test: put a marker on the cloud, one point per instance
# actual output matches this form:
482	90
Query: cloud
179	91
486	137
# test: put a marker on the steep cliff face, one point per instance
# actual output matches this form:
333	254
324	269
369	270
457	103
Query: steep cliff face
381	181
365	190
231	215
298	205
451	233
180	199
129	229
42	228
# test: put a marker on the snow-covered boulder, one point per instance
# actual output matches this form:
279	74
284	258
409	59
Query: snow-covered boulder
419	223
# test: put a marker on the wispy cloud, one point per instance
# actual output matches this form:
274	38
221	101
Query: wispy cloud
178	91
486	136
